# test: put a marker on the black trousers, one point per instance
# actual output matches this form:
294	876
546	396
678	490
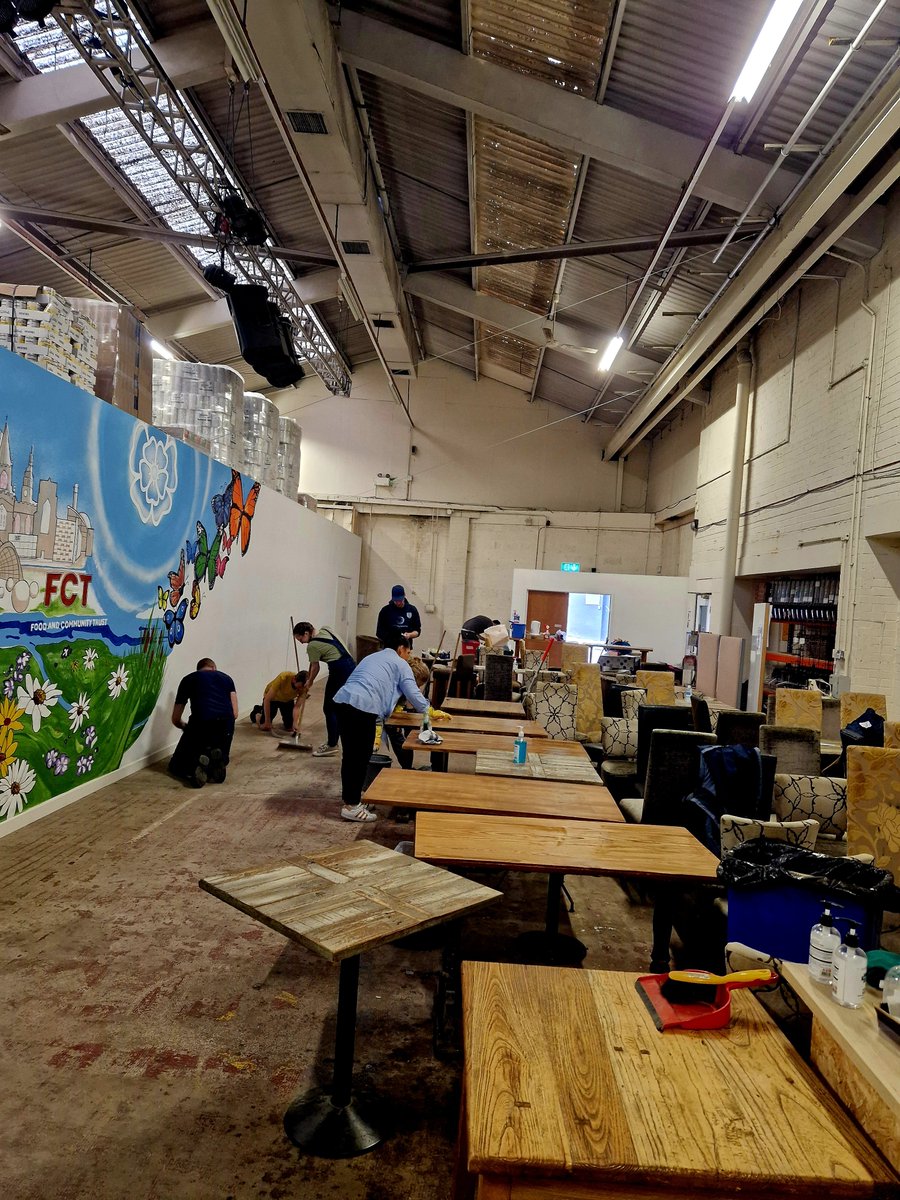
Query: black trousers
199	738
396	737
357	729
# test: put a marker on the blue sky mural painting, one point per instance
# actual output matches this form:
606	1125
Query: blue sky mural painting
113	541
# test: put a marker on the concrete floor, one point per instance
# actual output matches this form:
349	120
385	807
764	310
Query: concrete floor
152	1036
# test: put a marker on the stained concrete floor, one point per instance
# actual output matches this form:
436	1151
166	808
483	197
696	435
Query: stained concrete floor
152	1036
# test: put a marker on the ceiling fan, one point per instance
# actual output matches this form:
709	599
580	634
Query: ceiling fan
550	340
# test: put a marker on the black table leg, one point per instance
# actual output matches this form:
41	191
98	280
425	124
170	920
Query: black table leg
549	946
326	1121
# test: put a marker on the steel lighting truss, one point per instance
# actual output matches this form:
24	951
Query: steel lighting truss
111	42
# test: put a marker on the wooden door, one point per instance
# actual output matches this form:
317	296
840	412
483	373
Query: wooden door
550	608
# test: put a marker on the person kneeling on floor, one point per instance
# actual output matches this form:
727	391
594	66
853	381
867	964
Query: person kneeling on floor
369	696
203	750
282	696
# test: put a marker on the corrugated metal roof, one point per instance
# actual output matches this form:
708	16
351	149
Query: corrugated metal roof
20	264
436	19
351	335
499	348
168	16
573	383
558	41
447	335
421	147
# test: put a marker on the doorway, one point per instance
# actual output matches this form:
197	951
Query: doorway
551	609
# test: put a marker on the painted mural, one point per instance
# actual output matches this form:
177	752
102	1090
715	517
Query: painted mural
115	543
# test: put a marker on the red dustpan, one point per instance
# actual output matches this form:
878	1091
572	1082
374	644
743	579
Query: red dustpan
681	1010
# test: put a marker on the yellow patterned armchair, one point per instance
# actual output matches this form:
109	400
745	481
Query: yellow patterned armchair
873	805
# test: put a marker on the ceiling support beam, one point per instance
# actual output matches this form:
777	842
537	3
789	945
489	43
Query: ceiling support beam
459	298
746	301
552	115
627	245
195	55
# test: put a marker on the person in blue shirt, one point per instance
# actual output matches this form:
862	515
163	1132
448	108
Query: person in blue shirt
203	749
368	697
399	616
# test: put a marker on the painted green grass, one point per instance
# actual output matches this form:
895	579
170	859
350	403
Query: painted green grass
117	721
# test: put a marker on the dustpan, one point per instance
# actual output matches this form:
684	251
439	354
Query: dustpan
697	1015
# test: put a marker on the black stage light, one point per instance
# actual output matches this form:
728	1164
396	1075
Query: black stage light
35	10
219	277
239	219
8	16
264	335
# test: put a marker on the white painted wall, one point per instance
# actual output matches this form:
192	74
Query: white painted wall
463	449
647	610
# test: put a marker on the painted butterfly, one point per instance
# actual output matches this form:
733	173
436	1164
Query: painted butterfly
175	622
163	598
242	510
190	549
176	582
205	563
195	601
221	564
221	506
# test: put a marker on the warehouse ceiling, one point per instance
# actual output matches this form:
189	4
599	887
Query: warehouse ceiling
387	139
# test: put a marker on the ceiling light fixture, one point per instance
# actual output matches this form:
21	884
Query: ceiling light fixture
160	350
236	39
765	48
614	345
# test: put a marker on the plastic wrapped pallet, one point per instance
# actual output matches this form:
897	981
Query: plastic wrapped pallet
290	437
39	324
260	454
124	357
206	399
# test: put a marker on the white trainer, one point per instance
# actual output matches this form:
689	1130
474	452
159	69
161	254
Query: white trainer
326	751
357	812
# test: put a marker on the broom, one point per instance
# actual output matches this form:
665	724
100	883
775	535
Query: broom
293	743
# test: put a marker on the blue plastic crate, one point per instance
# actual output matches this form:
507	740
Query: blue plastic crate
777	920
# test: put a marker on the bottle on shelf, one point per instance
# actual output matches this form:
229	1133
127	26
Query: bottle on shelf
848	971
824	939
891	986
520	748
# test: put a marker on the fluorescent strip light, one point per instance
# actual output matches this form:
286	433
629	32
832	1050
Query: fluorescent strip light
609	354
764	49
160	350
235	37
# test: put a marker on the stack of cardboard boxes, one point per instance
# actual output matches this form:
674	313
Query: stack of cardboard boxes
38	324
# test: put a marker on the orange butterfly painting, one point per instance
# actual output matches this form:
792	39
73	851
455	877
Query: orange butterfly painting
241	510
176	583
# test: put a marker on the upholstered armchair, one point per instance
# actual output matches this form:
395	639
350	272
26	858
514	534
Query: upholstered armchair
817	797
873	805
735	831
573	655
589	706
555	705
796	749
659	686
854	704
618	741
798	708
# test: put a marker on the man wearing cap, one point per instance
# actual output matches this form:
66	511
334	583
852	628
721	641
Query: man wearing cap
399	616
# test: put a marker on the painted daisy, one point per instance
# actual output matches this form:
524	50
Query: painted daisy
90	659
9	716
84	764
14	788
79	712
36	699
7	750
90	736
61	765
118	681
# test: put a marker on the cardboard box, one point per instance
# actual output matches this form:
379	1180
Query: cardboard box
124	357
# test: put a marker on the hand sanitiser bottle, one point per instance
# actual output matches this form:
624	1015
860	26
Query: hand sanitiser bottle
848	972
824	939
520	749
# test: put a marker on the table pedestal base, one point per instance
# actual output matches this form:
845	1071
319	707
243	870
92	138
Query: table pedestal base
317	1125
548	946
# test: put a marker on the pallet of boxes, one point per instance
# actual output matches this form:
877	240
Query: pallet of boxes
39	324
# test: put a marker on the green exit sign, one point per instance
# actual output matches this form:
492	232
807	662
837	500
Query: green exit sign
570	566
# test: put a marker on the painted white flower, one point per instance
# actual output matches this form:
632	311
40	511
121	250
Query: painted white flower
36	699
90	660
153	470
14	788
118	681
79	712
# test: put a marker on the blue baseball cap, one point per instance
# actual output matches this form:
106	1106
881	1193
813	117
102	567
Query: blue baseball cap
398	592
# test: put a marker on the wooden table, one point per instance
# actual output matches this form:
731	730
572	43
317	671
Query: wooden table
496	796
664	853
570	1091
338	903
538	765
472	743
485	708
856	1058
471	724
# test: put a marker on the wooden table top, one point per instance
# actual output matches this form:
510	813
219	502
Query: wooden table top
498	796
484	708
348	899
469	724
455	742
858	1059
566	1073
563	767
574	847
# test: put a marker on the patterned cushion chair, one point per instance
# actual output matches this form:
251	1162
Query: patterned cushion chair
532	659
554	705
892	735
589	708
632	699
735	728
737	830
498	677
659	686
820	797
573	655
799	708
873	805
796	749
854	704
618	740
